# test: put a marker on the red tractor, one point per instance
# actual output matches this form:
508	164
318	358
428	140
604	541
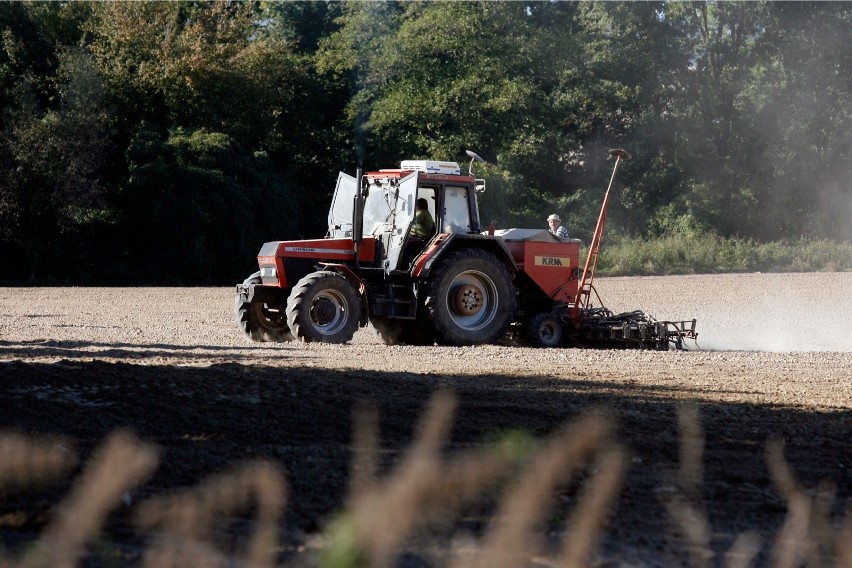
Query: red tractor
458	286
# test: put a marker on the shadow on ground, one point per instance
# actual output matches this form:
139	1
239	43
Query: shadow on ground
206	418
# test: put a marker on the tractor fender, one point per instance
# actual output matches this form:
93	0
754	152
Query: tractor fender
356	281
449	242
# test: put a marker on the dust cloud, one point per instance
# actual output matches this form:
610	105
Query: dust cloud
747	312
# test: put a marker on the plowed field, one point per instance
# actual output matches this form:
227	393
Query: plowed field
773	362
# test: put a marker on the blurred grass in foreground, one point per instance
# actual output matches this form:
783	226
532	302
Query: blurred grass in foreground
708	254
233	518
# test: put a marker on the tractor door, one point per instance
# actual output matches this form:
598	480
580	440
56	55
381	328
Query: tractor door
342	207
403	214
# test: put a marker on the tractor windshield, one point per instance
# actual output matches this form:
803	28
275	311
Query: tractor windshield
378	209
387	209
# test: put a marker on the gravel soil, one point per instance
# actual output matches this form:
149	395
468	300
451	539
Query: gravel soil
773	361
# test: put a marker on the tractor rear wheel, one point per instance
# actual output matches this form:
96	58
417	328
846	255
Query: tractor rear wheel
470	298
261	322
324	307
544	330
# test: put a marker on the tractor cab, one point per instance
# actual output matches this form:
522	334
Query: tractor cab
385	207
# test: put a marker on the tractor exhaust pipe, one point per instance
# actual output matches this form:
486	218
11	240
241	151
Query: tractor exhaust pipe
594	248
358	213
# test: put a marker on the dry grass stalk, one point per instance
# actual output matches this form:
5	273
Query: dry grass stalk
823	548
743	552
588	518
385	512
120	463
186	520
691	477
843	541
792	543
433	430
695	527
510	540
463	478
364	465
25	460
687	510
423	489
389	513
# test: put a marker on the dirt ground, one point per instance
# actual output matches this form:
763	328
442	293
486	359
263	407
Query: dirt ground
773	361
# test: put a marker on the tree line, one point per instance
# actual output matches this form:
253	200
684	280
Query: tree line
163	143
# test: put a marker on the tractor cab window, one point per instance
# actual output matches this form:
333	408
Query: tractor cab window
378	209
389	207
456	213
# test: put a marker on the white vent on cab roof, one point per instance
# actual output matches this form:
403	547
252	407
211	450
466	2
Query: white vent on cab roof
431	167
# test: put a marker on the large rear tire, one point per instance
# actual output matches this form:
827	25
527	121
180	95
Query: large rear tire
470	298
324	307
262	322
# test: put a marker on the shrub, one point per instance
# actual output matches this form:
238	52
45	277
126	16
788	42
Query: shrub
702	254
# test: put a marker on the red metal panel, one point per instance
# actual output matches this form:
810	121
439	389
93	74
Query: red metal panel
552	266
367	250
434	246
342	250
328	249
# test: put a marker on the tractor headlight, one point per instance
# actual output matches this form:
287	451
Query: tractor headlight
268	272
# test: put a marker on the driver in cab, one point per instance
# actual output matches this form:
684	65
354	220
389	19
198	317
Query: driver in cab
423	226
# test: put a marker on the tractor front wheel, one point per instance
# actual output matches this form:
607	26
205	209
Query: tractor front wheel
470	298
259	321
324	307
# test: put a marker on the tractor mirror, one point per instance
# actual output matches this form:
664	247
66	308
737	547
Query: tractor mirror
474	157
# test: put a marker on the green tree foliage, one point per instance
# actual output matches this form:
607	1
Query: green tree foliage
166	141
801	101
54	136
210	200
433	79
617	91
719	147
762	114
197	65
543	89
317	140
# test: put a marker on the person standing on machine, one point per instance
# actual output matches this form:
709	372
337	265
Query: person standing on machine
555	226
